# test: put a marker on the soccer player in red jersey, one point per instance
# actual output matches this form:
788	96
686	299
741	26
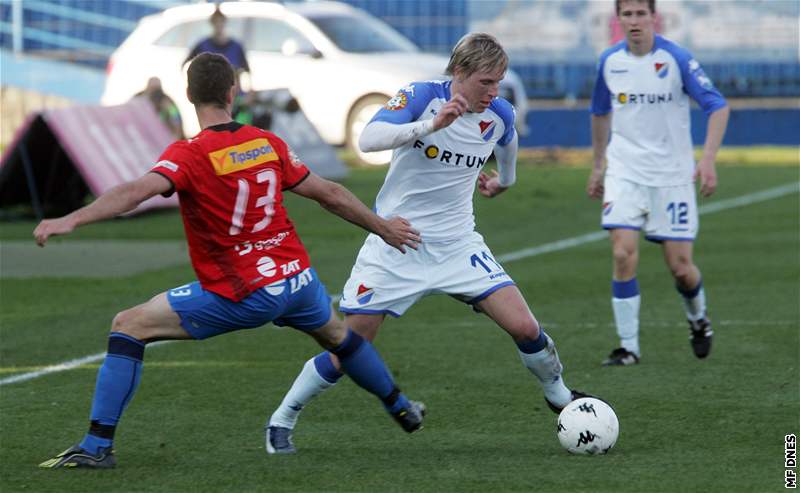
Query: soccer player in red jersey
250	263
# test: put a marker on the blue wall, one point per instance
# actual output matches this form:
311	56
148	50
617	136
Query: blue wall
68	80
571	128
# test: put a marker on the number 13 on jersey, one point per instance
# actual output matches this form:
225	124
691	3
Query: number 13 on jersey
264	202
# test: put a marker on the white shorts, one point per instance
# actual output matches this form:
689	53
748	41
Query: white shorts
664	213
383	280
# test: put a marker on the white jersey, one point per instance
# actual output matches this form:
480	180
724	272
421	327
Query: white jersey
651	142
431	180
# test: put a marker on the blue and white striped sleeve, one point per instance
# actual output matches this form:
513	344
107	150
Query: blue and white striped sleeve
601	96
695	81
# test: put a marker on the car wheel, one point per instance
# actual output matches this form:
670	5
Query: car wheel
361	113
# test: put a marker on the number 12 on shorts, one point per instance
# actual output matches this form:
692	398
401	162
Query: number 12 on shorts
679	212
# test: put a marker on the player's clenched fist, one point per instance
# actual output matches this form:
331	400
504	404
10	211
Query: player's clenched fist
708	177
49	227
489	185
399	234
449	111
595	188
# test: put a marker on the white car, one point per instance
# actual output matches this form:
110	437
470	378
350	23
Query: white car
340	63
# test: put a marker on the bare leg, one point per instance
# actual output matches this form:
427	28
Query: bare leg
508	309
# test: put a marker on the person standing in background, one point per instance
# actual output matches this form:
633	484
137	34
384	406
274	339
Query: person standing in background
647	184
219	42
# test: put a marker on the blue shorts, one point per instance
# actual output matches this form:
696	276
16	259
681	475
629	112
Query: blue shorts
299	301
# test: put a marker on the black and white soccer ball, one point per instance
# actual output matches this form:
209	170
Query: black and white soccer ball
588	426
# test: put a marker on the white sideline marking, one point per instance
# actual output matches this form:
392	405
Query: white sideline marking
752	198
66	365
650	323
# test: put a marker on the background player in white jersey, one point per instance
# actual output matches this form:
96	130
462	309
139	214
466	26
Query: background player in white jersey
648	181
442	133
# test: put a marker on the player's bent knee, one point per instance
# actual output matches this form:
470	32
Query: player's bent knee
331	334
524	330
138	323
624	255
682	272
364	325
122	323
680	265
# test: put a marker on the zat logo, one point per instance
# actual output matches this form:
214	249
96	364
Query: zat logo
487	129
266	267
662	69
364	294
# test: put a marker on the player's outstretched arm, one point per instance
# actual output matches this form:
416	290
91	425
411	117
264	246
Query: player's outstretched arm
383	135
118	200
601	127
396	231
706	170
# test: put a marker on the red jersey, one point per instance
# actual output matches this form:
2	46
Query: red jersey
230	180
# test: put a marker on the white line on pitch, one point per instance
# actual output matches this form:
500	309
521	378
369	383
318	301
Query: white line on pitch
721	205
478	322
66	365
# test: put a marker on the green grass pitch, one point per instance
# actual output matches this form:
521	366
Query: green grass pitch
196	423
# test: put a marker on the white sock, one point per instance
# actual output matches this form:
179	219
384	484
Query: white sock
546	366
306	386
695	308
626	317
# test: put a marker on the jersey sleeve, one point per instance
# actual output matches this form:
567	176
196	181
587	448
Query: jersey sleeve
697	84
243	54
601	96
506	112
293	168
193	53
407	105
174	165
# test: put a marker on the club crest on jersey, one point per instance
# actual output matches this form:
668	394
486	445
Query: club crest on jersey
398	102
662	69
364	294
487	129
242	156
607	206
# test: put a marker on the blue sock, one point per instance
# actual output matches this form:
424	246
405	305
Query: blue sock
690	293
530	347
364	365
625	289
117	381
325	368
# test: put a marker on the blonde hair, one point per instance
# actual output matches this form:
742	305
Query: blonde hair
477	51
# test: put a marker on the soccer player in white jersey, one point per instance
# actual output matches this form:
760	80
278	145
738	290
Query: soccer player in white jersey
647	184
442	134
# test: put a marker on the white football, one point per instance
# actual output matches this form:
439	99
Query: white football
588	426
